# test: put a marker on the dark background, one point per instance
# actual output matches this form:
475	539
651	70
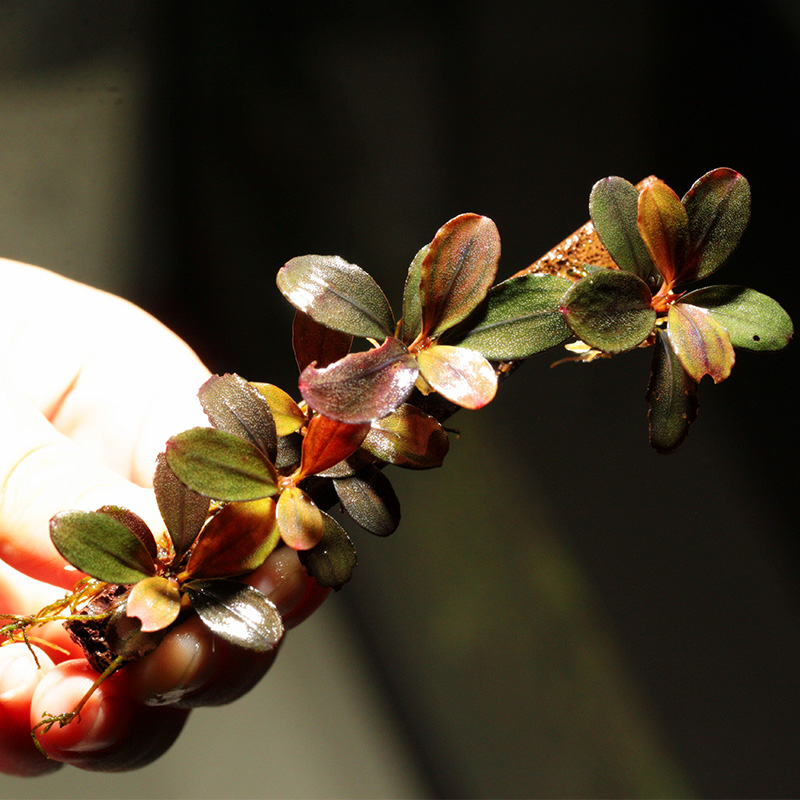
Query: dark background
563	612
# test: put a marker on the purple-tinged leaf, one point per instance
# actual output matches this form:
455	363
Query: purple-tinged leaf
458	270
236	407
672	397
610	310
337	294
753	320
718	207
462	376
408	438
182	510
327	442
155	601
299	520
332	560
371	502
701	343
237	613
613	206
135	524
236	540
101	546
287	415
221	466
412	307
316	343
361	387
664	228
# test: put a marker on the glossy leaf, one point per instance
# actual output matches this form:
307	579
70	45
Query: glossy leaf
462	376
236	540
412	306
101	546
672	397
753	320
236	407
371	502
299	520
330	562
458	270
237	613
182	510
664	228
408	438
701	343
155	601
361	387
337	294
287	415
610	310
220	465
328	442
521	317
718	207
135	524
316	343
613	207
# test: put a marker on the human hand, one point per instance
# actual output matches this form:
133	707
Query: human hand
91	387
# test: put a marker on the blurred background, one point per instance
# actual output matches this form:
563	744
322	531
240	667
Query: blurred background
563	613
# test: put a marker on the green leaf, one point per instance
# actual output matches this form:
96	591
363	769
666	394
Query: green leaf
287	415
182	510
610	310
220	465
236	407
753	320
664	228
331	562
521	317
299	520
361	387
155	601
315	343
412	305
237	613
337	294
672	397
613	207
102	546
328	442
236	540
462	376
458	270
408	438
371	502
718	206
700	341
135	524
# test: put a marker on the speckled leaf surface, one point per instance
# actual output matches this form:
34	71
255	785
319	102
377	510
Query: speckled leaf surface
337	294
332	560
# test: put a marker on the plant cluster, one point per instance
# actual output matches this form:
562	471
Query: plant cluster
268	469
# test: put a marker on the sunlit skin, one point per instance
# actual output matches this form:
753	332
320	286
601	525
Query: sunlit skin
91	388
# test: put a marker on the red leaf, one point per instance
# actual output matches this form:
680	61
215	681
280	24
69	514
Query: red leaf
313	342
701	343
328	442
664	226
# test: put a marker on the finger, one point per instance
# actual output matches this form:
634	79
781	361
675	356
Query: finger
192	667
41	473
19	678
113	732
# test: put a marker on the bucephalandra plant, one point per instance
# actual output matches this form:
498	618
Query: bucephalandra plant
270	466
